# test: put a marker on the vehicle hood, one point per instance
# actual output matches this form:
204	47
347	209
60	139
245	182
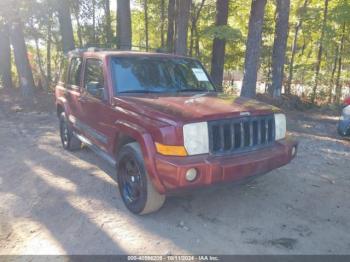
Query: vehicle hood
194	108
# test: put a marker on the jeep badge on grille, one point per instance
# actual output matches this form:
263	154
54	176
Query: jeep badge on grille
244	114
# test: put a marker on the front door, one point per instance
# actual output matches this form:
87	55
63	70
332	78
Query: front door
94	102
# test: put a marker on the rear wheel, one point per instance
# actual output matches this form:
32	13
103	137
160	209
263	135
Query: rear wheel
69	141
135	186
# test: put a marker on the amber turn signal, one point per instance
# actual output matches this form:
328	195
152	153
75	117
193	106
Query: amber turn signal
171	150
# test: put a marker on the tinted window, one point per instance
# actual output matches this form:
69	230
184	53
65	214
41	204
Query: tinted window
94	81
159	74
74	72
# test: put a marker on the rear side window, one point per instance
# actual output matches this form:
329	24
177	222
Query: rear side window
74	71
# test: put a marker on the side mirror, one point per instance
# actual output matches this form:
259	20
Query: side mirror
96	90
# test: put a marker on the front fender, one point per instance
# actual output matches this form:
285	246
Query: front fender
146	143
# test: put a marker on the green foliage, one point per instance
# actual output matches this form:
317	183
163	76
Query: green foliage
37	15
224	32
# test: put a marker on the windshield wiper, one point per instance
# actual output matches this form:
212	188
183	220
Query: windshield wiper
139	91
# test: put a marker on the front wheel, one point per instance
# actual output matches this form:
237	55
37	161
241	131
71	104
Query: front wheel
135	186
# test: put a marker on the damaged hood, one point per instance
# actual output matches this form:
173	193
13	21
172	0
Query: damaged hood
194	107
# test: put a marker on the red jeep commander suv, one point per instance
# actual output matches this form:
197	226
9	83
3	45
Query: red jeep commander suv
158	119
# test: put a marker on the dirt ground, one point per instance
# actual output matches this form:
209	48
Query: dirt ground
57	202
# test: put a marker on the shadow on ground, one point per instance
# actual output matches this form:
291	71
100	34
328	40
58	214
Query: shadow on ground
56	202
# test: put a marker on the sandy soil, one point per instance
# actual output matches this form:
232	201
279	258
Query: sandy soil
56	202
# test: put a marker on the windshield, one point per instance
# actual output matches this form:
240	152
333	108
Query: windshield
158	75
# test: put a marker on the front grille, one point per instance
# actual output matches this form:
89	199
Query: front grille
241	134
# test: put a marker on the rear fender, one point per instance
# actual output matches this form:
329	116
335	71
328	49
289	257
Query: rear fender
62	102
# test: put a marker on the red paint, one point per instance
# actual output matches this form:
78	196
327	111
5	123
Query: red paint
347	101
222	169
159	118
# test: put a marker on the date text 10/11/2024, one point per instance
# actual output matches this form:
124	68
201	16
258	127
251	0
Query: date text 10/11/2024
173	258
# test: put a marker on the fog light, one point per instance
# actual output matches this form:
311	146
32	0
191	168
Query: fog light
191	174
294	151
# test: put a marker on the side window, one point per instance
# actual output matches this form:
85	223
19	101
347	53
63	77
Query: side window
74	71
94	81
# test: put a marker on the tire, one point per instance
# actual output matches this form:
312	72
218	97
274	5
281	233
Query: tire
69	141
135	185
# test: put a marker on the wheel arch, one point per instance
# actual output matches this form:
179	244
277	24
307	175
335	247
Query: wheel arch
128	133
61	106
121	140
59	109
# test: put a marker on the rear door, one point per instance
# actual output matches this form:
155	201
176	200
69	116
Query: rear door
73	87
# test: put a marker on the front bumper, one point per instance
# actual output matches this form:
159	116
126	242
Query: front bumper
211	169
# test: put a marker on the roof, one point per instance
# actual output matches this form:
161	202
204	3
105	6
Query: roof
105	52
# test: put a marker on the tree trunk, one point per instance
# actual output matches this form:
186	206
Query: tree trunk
109	33
182	18
193	26
334	69
279	46
79	31
146	22
123	25
57	58
5	56
194	19
218	51
162	18
268	75
253	48
196	46
94	22
43	80
65	26
48	49
171	24
305	69
291	64
338	87
24	69
320	51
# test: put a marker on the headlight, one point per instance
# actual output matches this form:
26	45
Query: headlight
280	126
196	138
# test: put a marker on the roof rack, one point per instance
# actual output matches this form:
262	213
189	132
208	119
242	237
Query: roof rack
100	49
89	49
94	49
